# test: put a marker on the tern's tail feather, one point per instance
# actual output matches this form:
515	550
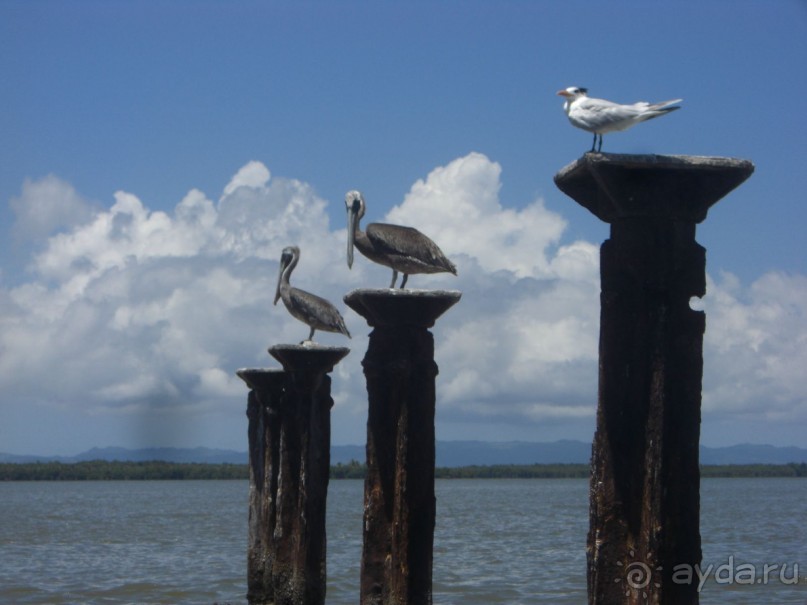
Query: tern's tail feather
666	105
660	109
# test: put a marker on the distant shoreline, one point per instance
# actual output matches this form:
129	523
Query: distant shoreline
101	470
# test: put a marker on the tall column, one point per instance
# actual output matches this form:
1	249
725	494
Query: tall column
399	502
263	410
298	572
645	481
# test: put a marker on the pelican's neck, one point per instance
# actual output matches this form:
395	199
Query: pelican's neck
357	221
286	274
358	234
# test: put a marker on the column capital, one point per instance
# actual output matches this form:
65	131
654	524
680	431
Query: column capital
307	358
677	187
397	307
260	379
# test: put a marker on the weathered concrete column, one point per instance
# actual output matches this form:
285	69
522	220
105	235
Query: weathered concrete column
645	480
263	410
399	502
298	572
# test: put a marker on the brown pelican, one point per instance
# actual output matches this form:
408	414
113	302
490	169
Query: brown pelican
309	308
401	249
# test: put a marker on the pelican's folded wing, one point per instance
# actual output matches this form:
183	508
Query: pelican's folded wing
397	240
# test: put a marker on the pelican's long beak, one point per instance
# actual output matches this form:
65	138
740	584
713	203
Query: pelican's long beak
283	265
351	235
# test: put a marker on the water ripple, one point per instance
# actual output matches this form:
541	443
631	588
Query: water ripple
519	542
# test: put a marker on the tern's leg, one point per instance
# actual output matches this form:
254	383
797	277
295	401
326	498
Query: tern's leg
394	278
594	143
599	149
403	282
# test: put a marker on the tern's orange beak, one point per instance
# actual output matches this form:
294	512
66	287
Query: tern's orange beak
563	93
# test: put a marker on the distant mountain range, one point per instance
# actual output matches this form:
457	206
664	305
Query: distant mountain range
449	454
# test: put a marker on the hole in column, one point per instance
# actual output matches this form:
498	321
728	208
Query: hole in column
696	303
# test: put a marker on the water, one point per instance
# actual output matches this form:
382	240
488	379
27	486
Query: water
497	541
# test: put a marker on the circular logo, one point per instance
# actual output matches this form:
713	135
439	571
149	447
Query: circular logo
637	576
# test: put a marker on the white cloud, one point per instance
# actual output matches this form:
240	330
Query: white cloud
756	347
46	206
458	207
135	312
254	175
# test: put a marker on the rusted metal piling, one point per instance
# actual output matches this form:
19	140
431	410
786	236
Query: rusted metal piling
298	570
263	411
645	481
399	501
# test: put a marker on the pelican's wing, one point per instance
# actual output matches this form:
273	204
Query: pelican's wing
397	240
316	311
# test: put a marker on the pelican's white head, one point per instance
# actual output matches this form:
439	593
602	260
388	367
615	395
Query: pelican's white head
354	202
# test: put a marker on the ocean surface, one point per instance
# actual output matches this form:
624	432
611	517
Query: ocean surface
497	541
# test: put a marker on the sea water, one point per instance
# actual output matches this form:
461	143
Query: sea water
496	541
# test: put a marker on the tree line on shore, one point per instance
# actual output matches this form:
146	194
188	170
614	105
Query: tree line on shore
99	470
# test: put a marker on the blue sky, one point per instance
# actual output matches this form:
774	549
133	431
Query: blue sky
158	156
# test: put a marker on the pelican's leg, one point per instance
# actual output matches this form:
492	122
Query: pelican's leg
403	282
394	278
310	336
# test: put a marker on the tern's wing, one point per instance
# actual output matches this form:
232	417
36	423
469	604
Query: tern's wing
597	115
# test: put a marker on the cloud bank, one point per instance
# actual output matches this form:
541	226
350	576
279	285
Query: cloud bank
140	315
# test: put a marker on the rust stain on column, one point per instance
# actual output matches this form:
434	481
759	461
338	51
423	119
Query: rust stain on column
299	570
645	479
399	501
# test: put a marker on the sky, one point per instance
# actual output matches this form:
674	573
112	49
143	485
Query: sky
157	157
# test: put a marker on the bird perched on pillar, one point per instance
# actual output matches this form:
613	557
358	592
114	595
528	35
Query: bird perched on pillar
316	312
599	116
402	249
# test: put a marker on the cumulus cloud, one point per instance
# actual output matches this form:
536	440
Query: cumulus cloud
142	305
458	206
522	343
133	312
756	347
254	175
46	206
